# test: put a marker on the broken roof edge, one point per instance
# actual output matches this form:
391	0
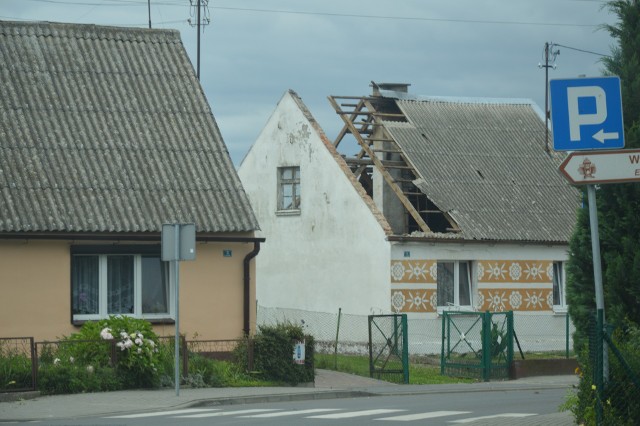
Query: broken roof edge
422	237
402	96
342	164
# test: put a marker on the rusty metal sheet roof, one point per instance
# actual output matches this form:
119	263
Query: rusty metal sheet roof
484	162
107	129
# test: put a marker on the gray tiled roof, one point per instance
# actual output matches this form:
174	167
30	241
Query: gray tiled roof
484	163
107	129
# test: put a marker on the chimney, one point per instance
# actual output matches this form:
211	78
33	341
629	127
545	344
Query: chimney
393	87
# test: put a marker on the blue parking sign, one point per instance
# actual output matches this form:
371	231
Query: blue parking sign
586	114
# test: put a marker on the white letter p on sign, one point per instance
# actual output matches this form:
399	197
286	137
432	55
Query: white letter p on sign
575	118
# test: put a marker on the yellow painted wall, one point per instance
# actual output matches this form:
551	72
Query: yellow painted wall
35	287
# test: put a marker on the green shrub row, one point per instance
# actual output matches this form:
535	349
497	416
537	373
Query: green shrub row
273	348
86	361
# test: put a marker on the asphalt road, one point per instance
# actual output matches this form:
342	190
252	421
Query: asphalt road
466	408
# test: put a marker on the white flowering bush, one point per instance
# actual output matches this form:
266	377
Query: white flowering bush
136	352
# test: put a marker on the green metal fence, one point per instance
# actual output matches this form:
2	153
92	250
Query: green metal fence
389	348
477	344
613	357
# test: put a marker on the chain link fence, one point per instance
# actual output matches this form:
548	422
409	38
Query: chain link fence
538	335
611	379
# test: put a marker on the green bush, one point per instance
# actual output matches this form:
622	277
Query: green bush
208	372
15	368
273	354
619	395
134	361
64	378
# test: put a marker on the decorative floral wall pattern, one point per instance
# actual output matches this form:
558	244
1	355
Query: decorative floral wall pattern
515	271
526	299
413	271
504	285
423	300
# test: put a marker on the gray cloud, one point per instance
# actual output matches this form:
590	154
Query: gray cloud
487	48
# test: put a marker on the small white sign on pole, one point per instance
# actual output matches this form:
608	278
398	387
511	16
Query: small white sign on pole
298	353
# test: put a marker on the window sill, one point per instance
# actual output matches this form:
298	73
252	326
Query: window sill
292	212
561	310
158	321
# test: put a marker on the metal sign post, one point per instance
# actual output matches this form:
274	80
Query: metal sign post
587	115
178	243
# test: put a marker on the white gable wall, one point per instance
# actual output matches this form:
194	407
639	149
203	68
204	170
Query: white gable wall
331	255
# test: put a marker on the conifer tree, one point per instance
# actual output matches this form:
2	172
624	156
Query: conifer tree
618	204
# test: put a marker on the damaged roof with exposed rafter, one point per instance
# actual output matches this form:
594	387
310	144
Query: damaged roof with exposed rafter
483	162
106	129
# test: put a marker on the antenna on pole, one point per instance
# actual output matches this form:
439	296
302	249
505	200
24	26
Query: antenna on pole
202	19
549	56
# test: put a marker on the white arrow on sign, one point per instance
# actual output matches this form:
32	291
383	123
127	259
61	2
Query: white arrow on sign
597	167
601	136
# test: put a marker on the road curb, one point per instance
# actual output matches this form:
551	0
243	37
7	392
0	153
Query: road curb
286	397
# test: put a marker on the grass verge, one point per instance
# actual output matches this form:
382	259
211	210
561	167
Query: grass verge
419	374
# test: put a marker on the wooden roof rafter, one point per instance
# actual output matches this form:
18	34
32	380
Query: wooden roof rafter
366	149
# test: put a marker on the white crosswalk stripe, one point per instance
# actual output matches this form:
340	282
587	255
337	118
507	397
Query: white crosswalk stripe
331	414
163	413
495	416
422	416
351	414
225	413
290	413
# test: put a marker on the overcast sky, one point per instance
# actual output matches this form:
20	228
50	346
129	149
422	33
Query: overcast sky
252	51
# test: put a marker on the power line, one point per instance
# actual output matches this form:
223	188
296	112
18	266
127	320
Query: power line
334	14
582	50
404	18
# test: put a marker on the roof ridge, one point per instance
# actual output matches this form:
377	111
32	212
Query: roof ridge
88	31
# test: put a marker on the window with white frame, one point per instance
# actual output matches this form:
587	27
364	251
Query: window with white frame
289	188
454	284
121	280
559	300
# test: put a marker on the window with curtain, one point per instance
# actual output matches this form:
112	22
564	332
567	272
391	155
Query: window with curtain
454	284
117	283
86	288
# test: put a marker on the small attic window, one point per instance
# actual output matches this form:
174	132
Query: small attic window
289	189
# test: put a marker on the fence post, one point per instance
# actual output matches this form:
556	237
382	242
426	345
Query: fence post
486	346
566	335
510	327
444	319
335	353
405	349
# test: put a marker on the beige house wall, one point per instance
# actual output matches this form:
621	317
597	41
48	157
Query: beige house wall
35	288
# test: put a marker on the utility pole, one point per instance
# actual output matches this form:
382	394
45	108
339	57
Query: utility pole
149	9
200	22
549	56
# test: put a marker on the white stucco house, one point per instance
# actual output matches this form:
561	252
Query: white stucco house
448	203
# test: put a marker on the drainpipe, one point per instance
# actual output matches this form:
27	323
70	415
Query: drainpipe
247	286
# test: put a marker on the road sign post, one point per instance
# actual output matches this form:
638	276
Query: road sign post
586	114
178	243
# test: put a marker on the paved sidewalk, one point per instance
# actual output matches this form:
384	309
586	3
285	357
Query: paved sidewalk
329	384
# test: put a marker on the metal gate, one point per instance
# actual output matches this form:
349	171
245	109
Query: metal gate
477	344
389	348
